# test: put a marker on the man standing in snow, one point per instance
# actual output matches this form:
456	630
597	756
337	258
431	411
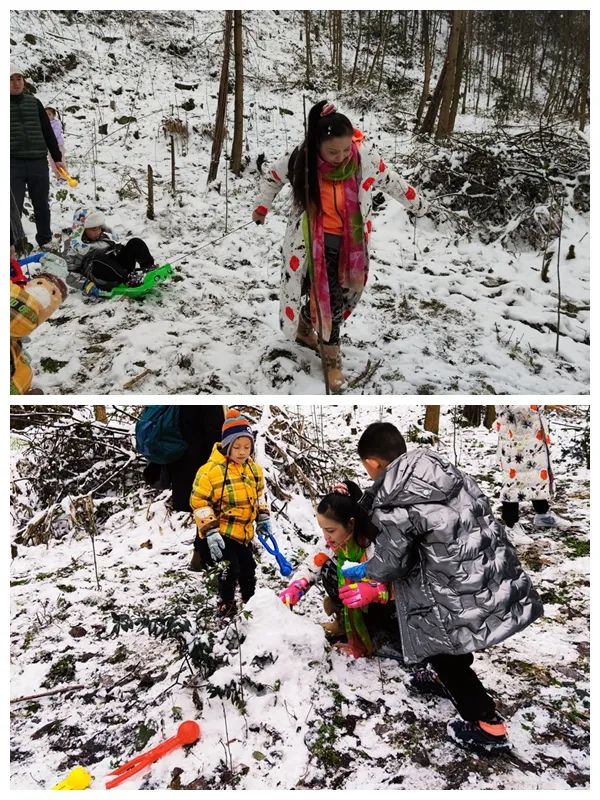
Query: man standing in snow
31	138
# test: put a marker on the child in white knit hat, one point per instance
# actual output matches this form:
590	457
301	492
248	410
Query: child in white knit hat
97	261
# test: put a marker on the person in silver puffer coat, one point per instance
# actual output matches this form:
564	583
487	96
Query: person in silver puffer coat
458	583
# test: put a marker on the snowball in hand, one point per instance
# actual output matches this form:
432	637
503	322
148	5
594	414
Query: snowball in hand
354	571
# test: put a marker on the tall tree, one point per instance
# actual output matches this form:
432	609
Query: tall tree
432	419
238	119
428	46
307	28
452	75
219	133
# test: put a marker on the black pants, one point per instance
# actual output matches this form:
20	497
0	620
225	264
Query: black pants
468	693
336	295
111	269
32	175
241	568
510	511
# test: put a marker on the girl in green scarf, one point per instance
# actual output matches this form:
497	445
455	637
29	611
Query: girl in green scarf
348	537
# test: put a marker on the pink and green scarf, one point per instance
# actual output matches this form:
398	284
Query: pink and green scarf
354	623
352	260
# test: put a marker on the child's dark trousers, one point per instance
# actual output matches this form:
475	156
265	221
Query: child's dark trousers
241	568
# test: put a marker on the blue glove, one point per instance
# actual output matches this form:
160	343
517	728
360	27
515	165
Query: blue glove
263	527
356	573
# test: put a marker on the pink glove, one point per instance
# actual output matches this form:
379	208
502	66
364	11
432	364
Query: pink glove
355	595
292	593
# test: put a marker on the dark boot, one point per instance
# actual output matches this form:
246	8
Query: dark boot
196	564
481	737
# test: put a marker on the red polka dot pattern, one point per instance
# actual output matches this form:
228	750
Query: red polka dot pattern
368	183
410	193
294	263
289	312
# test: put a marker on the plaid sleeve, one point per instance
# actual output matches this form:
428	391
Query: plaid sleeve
202	501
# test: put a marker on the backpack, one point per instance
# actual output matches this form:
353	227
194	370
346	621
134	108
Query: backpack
158	435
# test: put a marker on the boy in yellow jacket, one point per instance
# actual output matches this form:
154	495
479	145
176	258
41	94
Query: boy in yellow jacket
227	500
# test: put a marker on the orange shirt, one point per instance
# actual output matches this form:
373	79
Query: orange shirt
333	204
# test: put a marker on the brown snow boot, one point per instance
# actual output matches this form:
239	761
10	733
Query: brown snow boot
335	627
333	367
306	336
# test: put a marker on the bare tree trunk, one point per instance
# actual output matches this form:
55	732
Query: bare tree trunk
238	120
360	29
386	35
307	27
432	419
472	415
100	414
490	417
444	127
428	57
150	204
434	105
173	165
221	102
458	74
378	49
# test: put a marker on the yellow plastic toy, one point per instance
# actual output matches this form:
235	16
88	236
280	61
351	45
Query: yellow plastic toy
71	182
78	778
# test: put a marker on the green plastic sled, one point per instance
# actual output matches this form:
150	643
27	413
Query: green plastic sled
151	280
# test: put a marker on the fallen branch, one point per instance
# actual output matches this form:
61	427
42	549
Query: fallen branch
64	689
139	377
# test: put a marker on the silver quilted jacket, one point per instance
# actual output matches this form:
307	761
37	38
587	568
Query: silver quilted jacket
458	583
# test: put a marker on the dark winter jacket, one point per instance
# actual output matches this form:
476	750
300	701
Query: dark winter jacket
458	583
200	426
31	135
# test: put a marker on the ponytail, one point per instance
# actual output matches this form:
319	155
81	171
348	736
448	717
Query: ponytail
319	128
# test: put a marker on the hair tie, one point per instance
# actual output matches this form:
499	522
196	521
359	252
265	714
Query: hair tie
328	108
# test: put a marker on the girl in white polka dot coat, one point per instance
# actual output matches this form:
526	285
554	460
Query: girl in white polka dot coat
321	291
524	458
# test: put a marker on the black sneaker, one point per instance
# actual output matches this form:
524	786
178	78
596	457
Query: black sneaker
482	737
426	681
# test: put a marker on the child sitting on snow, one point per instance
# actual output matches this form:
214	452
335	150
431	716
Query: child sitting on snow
96	261
227	500
348	537
458	584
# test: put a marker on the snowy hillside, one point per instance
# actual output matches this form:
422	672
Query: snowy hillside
278	706
442	311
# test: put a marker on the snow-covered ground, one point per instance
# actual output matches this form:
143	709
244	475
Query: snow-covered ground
440	314
277	705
